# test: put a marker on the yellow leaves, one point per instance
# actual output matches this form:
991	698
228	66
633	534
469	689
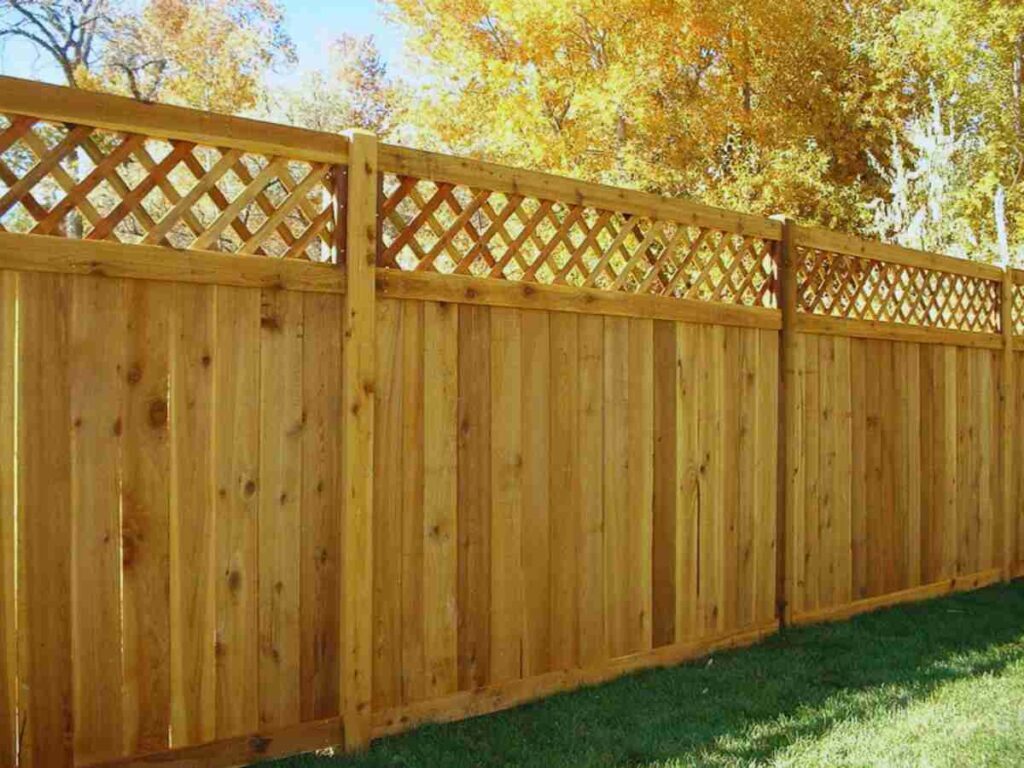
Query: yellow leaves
211	54
674	95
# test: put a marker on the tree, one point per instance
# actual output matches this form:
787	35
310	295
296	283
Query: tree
971	53
211	54
925	182
69	31
355	92
707	98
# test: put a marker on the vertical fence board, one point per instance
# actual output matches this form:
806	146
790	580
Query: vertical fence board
387	535
911	387
615	478
668	466
146	517
192	543
8	477
566	492
593	642
796	477
44	522
988	502
967	474
874	550
812	463
279	516
410	486
236	363
640	509
826	470
859	470
951	480
506	495
322	507
440	492
691	466
97	338
842	480
536	458
747	492
766	458
474	501
729	485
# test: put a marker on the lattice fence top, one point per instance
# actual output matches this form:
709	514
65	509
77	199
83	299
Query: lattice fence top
852	287
79	181
1017	310
454	229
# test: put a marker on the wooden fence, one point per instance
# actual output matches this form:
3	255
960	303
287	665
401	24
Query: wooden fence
306	439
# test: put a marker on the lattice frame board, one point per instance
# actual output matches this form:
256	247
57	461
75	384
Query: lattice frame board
80	181
855	288
429	226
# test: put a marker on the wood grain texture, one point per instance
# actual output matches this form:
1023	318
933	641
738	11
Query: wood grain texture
896	441
193	607
279	516
97	377
322	509
439	597
236	425
8	512
358	201
145	517
474	497
45	522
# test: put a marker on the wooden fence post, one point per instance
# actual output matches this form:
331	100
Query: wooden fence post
1008	395
358	204
787	297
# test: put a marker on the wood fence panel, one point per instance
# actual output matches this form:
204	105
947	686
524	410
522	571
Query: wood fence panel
896	443
544	396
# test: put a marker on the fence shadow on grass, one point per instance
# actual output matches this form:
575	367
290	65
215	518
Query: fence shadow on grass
738	707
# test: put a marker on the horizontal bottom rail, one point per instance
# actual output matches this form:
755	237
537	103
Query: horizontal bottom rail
243	750
494	698
925	592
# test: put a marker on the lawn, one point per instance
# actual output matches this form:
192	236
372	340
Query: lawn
938	683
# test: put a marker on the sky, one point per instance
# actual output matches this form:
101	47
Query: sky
312	24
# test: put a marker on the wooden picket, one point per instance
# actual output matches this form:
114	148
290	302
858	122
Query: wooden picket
306	440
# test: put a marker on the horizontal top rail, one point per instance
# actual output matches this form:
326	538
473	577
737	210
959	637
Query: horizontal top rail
851	245
478	174
117	113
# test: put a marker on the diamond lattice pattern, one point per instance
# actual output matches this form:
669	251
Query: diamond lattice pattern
79	181
850	287
453	229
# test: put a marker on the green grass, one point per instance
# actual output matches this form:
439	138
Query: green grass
936	684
